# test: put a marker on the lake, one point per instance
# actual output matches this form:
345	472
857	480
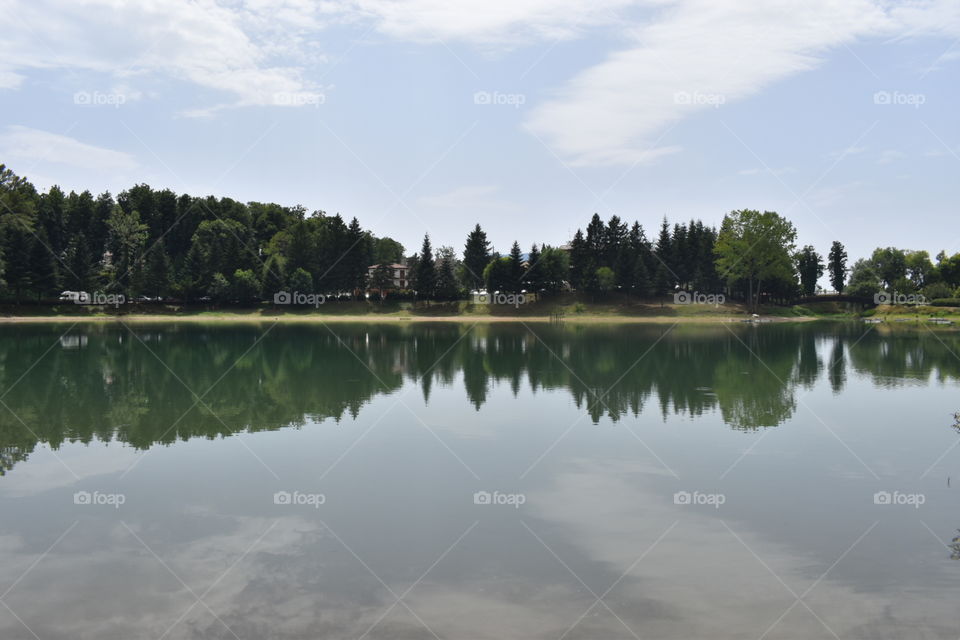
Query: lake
492	481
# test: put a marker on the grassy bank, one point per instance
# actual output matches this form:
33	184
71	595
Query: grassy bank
566	308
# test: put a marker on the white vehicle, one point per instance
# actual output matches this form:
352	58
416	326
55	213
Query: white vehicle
76	297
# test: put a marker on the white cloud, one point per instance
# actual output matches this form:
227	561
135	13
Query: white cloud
232	49
698	55
29	146
501	22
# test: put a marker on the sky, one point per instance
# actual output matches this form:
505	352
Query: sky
526	116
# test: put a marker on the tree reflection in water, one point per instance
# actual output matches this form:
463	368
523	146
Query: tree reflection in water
150	385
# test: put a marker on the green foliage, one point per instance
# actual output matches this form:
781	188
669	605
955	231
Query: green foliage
810	267
446	268
937	290
246	286
890	265
864	280
498	276
756	248
382	280
160	243
301	281
219	288
837	266
516	268
44	276
273	277
919	268
126	236
606	279
554	268
476	257
387	251
425	274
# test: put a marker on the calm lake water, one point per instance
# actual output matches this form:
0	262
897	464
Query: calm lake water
478	482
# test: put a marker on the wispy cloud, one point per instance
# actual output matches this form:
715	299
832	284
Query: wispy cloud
29	147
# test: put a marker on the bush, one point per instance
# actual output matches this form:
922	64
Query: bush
938	290
945	302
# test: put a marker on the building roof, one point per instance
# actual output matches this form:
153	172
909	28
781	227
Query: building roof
395	265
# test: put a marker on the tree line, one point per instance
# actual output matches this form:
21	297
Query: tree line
158	244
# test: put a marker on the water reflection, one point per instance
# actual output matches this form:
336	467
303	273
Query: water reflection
147	385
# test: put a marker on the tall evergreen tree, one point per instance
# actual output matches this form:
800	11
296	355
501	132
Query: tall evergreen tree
156	281
516	268
580	262
446	288
78	274
425	276
476	257
596	241
533	280
664	275
44	277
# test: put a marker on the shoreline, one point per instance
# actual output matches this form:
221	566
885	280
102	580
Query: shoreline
214	318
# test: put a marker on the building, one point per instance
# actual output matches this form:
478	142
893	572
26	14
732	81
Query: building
399	274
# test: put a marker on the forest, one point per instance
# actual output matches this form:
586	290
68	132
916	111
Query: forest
154	245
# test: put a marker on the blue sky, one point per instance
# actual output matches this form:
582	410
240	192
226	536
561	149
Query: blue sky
524	116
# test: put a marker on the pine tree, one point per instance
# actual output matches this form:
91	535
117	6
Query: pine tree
533	277
79	271
476	257
596	242
663	276
516	268
425	276
157	277
446	288
44	278
16	256
580	263
640	278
